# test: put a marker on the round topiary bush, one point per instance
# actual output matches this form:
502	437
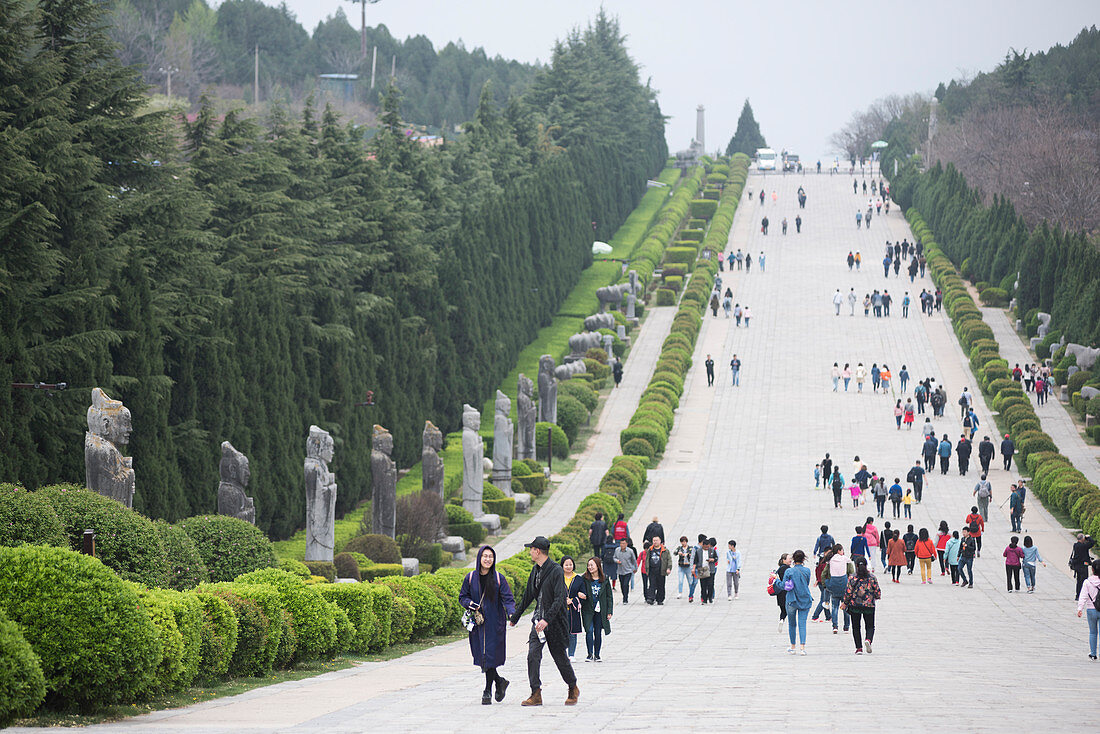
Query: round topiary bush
542	438
220	630
28	518
1077	380
259	613
86	625
346	567
186	569
358	603
22	685
229	547
457	514
571	416
639	447
402	620
125	541
430	612
378	548
520	469
657	438
313	619
579	391
297	568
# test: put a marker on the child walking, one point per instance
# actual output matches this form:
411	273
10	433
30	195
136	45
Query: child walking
908	502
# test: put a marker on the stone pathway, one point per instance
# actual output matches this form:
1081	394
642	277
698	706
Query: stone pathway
739	465
1053	415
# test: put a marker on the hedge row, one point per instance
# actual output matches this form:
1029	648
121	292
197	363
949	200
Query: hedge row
651	252
1055	481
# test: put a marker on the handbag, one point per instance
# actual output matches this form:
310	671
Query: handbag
703	571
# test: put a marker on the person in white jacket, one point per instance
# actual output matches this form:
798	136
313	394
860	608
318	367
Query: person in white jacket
838	301
1087	603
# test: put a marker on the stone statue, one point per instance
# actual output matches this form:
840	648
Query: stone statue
598	321
548	390
635	286
620	330
566	371
473	471
611	295
526	415
608	344
106	470
579	344
631	305
1044	324
320	496
501	476
1086	356
383	474
234	473
430	463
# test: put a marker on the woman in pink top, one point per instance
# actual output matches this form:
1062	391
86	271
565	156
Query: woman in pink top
1014	556
856	492
871	533
942	536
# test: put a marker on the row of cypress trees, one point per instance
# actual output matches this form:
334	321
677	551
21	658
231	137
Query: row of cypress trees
238	279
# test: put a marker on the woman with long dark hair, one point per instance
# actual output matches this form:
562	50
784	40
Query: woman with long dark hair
485	592
574	586
859	602
596	603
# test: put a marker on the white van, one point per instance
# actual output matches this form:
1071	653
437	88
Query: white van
765	159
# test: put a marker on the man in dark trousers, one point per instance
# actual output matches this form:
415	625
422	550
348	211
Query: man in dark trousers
1008	449
658	565
1080	559
929	452
597	535
654	530
710	371
985	453
826	470
549	623
916	478
962	450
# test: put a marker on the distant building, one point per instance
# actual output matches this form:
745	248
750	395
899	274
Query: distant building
340	86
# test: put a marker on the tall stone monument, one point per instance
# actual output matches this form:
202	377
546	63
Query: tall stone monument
631	306
502	445
320	496
608	344
232	500
383	473
473	469
430	463
548	390
106	470
526	415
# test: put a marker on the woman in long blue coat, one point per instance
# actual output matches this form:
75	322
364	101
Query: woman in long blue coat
486	589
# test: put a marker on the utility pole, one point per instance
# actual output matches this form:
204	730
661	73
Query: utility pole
168	71
256	78
373	64
363	25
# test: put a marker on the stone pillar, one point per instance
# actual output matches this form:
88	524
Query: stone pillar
320	496
608	344
106	470
234	472
502	445
383	472
548	390
526	415
631	300
473	471
430	463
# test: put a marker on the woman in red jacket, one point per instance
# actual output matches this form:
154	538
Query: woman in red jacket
1014	558
926	552
895	556
976	523
942	536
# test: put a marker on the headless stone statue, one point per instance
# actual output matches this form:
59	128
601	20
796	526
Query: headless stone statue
430	463
526	413
548	390
608	344
383	472
502	445
631	305
106	470
473	470
320	496
234	472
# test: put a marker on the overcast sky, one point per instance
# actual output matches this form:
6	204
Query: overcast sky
805	65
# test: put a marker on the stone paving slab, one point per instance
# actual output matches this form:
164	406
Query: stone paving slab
739	465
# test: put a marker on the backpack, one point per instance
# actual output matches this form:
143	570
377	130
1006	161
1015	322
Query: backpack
620	530
773	584
837	483
962	400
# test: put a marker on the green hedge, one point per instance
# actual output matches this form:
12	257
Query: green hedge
28	518
703	208
571	416
357	601
220	631
313	618
383	548
543	431
228	546
22	684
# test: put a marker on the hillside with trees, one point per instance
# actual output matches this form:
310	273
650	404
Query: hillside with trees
238	279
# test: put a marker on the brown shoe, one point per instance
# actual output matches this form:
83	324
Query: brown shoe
535	699
574	694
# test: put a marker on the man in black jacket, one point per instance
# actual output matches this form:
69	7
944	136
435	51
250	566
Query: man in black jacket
962	450
1080	559
597	535
546	587
985	453
1008	448
654	530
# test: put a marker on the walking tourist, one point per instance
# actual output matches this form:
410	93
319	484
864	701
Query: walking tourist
926	553
1079	559
1089	598
859	602
626	563
798	599
733	570
952	552
685	564
1014	557
596	604
486	595
1031	557
574	586
659	565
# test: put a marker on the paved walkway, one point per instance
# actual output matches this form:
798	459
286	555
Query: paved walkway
1053	415
739	465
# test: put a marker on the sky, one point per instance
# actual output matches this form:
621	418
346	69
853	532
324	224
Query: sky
805	65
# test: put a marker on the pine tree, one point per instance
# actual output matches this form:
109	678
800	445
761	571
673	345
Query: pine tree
747	138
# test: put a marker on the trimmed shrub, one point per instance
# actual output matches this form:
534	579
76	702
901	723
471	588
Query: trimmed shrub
22	685
380	548
683	255
323	569
674	282
703	208
261	625
571	416
219	633
185	567
535	484
1077	380
345	630
382	598
456	515
229	546
519	469
597	369
347	567
543	432
28	518
288	644
577	390
639	447
471	531
357	601
657	438
597	354
178	617
430	613
126	542
297	568
403	618
666	297
994	296
109	646
1034	441
313	619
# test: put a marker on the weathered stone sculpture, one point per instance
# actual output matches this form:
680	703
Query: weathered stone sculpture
566	371
1086	356
548	390
430	464
106	470
502	445
631	305
320	496
473	451
611	295
579	344
1044	324
598	321
526	415
608	344
232	500
635	286
383	473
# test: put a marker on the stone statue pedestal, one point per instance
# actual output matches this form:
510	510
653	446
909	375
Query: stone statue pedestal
489	521
523	501
411	566
456	546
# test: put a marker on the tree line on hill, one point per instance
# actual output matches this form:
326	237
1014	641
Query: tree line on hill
239	279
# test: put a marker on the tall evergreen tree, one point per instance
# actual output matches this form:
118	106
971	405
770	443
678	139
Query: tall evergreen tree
747	138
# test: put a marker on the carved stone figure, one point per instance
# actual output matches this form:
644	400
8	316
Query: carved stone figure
620	330
320	496
598	321
608	344
1044	324
631	305
234	473
1086	356
473	452
383	473
502	445
635	286
611	294
566	371
548	390
579	344
526	415
106	470
430	463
